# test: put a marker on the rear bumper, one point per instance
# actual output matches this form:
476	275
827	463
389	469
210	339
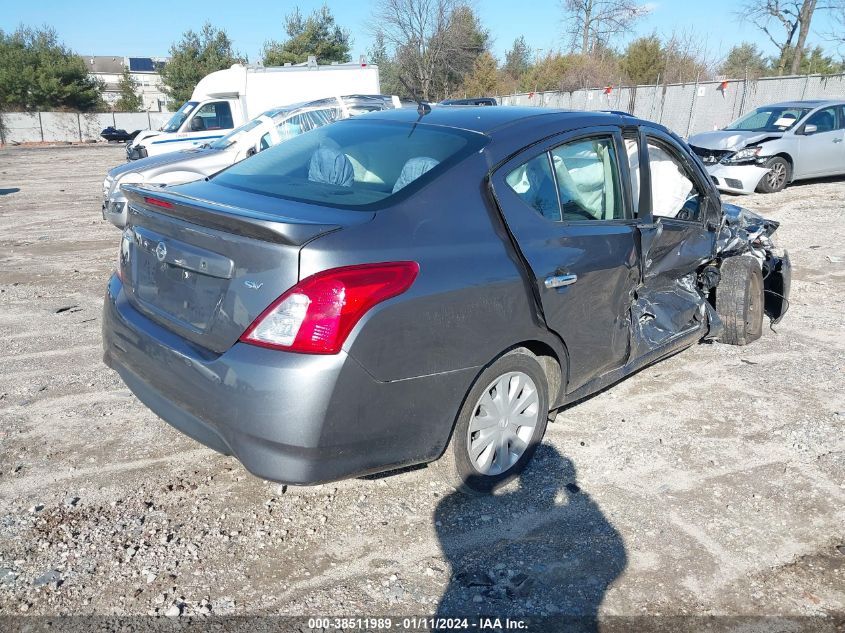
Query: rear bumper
741	179
293	418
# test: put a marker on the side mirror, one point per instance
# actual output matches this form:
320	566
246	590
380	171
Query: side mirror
810	129
197	124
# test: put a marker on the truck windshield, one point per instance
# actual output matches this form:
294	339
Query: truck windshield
769	119
355	163
235	135
179	117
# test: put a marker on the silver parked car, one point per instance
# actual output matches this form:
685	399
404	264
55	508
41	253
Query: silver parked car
775	145
266	130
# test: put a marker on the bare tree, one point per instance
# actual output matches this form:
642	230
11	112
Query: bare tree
435	41
837	34
687	57
793	17
592	23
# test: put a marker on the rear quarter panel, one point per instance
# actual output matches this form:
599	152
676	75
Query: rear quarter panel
470	301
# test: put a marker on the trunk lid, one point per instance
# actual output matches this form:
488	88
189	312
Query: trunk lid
204	260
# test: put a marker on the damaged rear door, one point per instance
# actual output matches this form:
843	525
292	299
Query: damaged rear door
566	204
678	217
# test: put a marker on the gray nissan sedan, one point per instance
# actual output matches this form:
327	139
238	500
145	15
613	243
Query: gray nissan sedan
410	286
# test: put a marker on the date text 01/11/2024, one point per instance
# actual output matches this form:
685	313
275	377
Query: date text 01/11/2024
418	624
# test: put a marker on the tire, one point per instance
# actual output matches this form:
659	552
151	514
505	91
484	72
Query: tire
516	371
739	300
780	173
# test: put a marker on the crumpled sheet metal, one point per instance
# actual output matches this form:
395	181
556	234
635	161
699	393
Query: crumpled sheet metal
670	309
670	304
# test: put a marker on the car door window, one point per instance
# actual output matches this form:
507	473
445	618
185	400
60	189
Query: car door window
293	126
674	192
587	180
824	120
534	183
319	118
213	116
632	149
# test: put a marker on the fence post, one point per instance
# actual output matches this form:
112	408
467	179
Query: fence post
41	126
79	125
804	88
744	92
149	121
692	105
654	98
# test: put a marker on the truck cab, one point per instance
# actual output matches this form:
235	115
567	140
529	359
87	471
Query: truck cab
195	123
226	99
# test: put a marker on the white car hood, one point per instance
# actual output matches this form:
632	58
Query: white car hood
730	139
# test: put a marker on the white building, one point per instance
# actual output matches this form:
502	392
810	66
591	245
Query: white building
144	71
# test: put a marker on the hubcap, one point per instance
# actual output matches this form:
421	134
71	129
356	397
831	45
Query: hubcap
503	423
777	175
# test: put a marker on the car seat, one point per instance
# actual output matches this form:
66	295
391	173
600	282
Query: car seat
331	166
413	169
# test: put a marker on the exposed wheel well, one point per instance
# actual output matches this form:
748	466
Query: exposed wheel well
551	364
789	160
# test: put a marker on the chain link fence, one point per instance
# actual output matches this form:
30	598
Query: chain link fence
692	107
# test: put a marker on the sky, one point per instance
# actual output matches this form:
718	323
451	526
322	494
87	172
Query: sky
100	27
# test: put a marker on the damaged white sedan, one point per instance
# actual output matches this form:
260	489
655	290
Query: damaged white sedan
775	145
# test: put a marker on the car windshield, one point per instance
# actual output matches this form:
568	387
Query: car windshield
235	135
769	119
179	117
355	163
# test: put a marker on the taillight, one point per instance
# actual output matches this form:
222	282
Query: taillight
164	204
318	313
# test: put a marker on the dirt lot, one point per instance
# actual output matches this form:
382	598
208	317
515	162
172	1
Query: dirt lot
711	483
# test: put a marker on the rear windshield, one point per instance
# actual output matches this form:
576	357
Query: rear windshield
353	163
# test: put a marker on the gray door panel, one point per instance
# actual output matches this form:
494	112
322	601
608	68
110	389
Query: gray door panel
585	272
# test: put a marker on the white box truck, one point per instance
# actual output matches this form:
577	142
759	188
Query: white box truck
227	98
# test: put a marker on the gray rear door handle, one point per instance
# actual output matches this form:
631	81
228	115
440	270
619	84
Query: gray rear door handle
837	140
559	281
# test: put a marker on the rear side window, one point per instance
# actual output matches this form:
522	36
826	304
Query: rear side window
535	184
353	163
573	182
587	179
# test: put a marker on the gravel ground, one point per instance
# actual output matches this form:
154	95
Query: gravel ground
711	483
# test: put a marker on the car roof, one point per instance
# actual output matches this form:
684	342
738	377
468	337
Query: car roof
487	120
347	99
807	103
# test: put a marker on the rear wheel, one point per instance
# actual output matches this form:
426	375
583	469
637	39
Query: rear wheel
739	300
499	426
779	174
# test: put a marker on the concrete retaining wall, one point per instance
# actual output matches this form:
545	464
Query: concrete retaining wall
60	127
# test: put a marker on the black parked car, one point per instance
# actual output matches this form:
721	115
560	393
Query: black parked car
403	287
121	136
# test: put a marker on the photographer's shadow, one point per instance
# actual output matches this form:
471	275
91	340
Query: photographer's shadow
543	549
